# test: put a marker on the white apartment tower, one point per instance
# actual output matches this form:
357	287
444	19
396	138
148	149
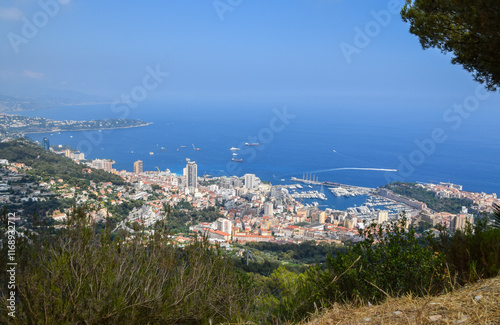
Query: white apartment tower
191	174
251	181
382	216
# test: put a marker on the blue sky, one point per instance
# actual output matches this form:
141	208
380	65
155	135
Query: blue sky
274	51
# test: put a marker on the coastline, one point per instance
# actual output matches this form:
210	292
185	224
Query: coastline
90	129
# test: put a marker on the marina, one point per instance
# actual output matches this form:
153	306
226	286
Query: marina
308	195
337	189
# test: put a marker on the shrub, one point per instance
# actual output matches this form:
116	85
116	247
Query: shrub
472	253
78	276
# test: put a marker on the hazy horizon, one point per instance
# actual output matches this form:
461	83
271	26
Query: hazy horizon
307	51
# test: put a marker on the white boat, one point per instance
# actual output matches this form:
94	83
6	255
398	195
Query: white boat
234	149
235	154
151	153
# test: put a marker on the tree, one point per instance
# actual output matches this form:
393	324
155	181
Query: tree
470	29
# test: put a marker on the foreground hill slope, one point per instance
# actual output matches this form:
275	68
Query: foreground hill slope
474	304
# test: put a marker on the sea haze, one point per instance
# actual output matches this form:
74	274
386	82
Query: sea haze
350	145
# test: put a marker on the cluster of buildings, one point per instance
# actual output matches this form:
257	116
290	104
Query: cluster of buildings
249	209
452	221
15	189
483	201
253	211
104	164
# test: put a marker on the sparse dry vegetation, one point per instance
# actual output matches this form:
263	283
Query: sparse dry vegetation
473	304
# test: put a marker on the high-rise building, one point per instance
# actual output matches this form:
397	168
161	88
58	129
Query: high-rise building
318	216
138	167
460	221
46	144
106	164
268	209
79	156
191	174
382	216
251	181
225	225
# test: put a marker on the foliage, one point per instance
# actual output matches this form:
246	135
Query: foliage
265	267
78	276
183	205
422	227
390	260
473	253
155	187
467	28
393	261
124	209
178	220
50	165
305	253
411	190
82	275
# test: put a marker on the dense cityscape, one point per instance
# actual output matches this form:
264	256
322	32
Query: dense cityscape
250	210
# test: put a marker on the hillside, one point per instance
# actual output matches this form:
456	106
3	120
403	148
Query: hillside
413	191
474	304
50	165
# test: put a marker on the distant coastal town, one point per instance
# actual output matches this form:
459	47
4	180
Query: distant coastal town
249	210
15	126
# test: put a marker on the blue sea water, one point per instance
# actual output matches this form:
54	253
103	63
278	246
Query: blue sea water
362	146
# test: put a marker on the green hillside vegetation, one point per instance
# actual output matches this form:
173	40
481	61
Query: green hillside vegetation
80	276
306	253
50	165
412	190
265	258
84	275
178	221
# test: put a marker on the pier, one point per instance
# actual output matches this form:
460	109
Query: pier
337	189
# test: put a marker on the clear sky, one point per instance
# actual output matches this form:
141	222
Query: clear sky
276	51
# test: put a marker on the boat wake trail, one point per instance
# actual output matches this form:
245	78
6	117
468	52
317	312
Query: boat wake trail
338	169
355	168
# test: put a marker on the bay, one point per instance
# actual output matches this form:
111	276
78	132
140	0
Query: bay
362	146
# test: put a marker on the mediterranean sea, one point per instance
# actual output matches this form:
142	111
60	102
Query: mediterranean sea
364	146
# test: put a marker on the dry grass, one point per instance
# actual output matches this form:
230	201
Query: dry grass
475	304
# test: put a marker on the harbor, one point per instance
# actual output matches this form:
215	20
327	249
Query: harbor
337	189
